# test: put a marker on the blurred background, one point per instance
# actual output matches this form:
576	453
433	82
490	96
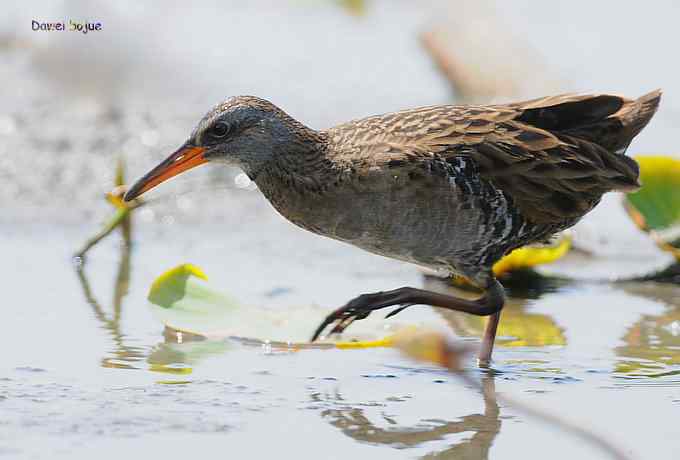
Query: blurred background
72	105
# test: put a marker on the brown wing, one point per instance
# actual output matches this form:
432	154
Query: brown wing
554	156
560	154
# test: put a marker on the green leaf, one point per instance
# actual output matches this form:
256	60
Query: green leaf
655	208
182	300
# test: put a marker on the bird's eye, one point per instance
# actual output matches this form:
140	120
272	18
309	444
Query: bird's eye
219	129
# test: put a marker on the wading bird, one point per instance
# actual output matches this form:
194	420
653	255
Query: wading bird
448	187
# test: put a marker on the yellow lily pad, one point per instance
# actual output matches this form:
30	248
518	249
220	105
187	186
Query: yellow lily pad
527	257
518	328
533	255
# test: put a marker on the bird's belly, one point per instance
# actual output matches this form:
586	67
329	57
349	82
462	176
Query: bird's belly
435	224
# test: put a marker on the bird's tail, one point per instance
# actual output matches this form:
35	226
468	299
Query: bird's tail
614	128
602	123
634	116
615	132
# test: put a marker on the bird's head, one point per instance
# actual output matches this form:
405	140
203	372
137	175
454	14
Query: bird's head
243	131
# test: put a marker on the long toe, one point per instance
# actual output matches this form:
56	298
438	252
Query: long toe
359	308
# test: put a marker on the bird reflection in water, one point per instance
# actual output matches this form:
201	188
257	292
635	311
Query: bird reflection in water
484	427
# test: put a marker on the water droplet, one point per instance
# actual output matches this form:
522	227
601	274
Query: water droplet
267	347
77	261
242	180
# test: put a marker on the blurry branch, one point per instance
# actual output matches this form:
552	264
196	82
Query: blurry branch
461	77
118	218
123	211
121	218
433	347
481	58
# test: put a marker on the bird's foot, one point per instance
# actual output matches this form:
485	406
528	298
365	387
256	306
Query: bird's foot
362	306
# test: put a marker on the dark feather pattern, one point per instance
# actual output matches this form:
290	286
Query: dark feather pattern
555	156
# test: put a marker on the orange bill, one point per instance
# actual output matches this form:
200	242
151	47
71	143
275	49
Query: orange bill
185	158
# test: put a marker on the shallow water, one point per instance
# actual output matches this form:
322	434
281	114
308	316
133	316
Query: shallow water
87	370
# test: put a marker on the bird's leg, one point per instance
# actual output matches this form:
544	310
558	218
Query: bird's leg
488	339
360	307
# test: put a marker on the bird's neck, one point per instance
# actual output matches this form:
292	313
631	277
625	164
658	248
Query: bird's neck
301	165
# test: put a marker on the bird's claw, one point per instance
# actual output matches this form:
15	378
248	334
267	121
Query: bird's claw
358	309
398	310
342	318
